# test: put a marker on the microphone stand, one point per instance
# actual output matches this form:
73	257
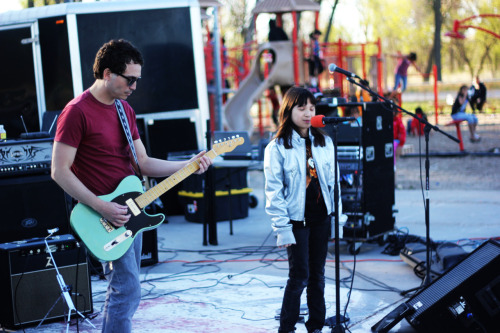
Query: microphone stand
337	319
335	322
427	128
64	290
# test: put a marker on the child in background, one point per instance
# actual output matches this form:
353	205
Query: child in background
415	127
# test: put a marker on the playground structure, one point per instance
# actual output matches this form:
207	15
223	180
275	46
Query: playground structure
236	109
354	58
251	65
459	25
250	70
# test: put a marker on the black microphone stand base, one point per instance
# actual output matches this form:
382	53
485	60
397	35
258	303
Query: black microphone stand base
332	322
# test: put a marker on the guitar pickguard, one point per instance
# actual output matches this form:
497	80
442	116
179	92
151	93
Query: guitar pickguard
140	221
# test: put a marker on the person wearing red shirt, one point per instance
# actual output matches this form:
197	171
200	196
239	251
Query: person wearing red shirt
416	127
399	135
91	155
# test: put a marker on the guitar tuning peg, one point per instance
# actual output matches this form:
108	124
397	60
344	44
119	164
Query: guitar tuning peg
237	135
233	137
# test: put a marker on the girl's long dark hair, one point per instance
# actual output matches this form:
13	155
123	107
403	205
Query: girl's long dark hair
295	96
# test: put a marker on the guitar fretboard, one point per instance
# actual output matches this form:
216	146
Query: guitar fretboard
155	192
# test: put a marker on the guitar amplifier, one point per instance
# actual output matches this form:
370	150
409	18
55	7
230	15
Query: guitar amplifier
26	212
29	286
25	157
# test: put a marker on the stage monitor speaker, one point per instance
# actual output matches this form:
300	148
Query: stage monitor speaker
29	286
464	299
30	205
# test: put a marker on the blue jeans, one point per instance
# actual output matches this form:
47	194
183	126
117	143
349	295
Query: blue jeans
400	79
469	117
306	261
124	290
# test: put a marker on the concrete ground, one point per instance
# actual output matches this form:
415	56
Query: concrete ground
237	285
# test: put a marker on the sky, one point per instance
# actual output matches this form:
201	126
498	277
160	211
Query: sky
6	5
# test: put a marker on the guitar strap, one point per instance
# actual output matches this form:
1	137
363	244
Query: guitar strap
126	129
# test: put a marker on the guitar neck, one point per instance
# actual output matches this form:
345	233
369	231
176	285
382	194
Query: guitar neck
155	192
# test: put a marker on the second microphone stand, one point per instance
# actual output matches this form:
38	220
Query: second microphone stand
337	319
427	128
64	291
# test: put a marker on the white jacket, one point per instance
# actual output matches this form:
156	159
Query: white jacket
285	186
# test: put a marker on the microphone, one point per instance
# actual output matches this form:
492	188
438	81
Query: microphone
333	68
321	120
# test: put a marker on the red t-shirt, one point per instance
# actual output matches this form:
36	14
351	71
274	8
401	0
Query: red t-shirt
399	130
417	127
102	159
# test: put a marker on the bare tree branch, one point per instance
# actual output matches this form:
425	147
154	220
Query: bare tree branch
330	21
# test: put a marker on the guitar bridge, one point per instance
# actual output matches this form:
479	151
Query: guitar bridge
107	226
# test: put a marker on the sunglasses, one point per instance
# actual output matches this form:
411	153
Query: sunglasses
130	79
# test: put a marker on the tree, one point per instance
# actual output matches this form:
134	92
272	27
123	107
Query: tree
420	25
237	21
330	21
436	47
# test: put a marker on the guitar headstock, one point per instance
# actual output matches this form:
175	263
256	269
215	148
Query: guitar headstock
227	145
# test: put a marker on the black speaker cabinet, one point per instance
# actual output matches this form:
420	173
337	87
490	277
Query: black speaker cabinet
378	167
149	254
30	205
464	299
367	185
164	136
29	287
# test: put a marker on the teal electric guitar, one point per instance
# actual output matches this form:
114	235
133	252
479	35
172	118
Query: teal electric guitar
107	242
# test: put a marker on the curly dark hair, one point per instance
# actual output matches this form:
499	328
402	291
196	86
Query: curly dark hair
116	55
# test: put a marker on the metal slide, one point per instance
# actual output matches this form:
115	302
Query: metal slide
237	109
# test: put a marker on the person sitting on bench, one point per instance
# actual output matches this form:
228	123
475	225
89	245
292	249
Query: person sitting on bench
458	113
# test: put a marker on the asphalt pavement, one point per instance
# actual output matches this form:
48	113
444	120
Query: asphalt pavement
237	285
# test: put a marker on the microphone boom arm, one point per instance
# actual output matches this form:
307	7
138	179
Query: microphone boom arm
427	129
422	120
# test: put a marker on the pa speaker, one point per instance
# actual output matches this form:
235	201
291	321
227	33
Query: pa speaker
378	166
367	186
30	205
29	286
464	299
